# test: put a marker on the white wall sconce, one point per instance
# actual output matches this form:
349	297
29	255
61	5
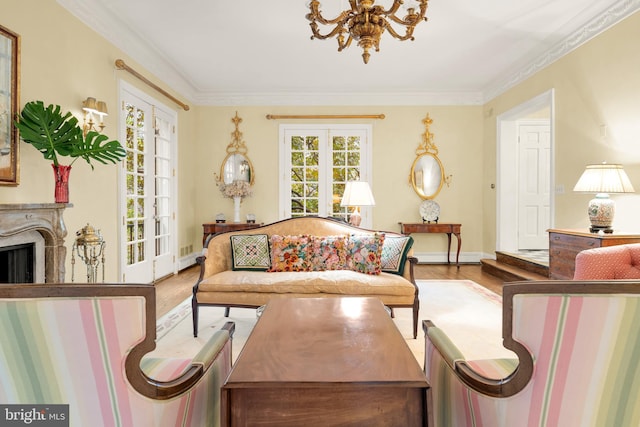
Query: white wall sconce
93	108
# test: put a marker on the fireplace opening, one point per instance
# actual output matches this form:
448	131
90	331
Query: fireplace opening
17	263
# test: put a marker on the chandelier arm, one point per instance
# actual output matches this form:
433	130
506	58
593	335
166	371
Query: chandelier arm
412	19
346	44
316	16
316	32
392	10
409	20
408	35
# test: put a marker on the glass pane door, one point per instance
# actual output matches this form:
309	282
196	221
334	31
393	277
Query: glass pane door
137	209
163	212
148	198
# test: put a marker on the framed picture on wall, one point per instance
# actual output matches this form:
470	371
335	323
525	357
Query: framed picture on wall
9	102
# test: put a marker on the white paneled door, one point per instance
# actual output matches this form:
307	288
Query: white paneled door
533	185
147	188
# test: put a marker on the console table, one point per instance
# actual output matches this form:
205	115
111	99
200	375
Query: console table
325	361
223	227
564	245
429	227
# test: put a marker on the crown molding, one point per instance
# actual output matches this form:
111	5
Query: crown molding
591	29
151	58
100	18
331	99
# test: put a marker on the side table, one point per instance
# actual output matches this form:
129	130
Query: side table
222	227
428	227
564	245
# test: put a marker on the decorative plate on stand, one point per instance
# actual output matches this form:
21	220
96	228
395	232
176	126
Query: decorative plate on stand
429	211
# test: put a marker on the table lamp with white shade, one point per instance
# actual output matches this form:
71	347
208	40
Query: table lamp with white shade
356	194
603	179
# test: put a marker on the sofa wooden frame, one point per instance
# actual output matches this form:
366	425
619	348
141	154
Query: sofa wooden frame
412	261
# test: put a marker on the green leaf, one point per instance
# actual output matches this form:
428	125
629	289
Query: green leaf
50	132
57	135
96	147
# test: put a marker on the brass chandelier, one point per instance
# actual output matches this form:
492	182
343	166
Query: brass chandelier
365	23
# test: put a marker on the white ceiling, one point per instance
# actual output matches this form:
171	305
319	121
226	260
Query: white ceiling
259	52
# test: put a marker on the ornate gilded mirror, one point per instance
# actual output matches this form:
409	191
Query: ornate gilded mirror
427	172
236	166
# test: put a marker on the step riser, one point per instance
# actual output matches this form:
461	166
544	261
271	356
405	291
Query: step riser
503	258
510	273
507	276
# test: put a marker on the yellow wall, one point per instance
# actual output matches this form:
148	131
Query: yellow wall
395	138
597	84
63	62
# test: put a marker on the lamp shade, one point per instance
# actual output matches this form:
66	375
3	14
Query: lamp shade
357	193
102	108
604	178
90	105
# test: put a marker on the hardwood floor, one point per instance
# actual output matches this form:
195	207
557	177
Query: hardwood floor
175	289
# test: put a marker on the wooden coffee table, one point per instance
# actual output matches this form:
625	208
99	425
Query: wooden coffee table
322	362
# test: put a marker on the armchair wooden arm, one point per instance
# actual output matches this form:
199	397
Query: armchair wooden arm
577	347
83	345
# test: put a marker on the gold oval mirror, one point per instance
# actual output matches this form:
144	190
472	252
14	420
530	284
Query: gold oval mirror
236	167
427	176
427	172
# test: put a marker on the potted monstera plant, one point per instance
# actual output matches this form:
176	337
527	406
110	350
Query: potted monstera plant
58	135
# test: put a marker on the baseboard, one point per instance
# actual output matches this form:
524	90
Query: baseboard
187	261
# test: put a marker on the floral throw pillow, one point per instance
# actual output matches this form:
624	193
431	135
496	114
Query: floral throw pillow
328	253
364	253
289	253
394	253
250	252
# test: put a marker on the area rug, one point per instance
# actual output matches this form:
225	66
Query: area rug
470	314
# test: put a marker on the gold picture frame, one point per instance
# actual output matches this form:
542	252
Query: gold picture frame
9	101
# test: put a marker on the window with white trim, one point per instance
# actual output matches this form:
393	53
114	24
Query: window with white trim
316	161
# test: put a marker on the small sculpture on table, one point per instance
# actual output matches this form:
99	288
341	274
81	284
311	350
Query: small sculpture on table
89	247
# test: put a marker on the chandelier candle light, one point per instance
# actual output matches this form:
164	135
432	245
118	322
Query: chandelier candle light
603	179
357	193
365	22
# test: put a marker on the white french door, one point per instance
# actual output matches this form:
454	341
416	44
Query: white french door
147	188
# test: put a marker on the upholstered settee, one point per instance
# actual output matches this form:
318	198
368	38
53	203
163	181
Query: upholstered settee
305	257
578	351
84	345
608	263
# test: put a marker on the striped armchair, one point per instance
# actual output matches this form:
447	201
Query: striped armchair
578	350
83	345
